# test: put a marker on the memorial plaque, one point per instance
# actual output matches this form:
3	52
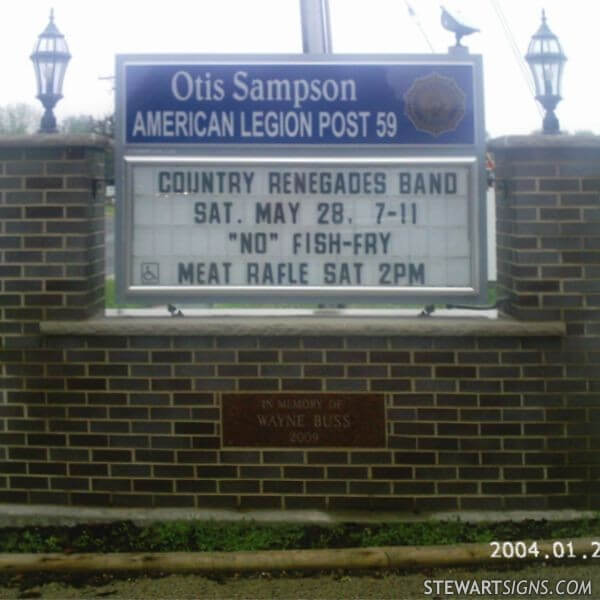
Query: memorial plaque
303	420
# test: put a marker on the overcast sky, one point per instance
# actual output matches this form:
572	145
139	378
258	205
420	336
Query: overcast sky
96	31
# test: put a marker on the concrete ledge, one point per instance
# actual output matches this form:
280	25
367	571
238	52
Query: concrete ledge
17	515
341	324
55	140
544	141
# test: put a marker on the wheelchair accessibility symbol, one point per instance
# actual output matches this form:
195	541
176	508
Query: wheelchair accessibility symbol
150	273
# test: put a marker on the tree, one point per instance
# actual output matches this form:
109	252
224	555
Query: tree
78	124
106	126
89	124
81	124
19	119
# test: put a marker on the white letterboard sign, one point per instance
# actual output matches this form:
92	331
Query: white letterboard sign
224	212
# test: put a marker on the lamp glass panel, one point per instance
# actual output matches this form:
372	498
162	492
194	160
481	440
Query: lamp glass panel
538	78
51	57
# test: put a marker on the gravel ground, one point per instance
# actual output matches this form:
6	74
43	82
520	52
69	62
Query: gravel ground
381	584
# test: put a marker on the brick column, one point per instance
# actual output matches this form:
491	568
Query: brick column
51	241
548	228
51	267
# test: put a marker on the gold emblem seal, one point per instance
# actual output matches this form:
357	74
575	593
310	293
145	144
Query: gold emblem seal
435	104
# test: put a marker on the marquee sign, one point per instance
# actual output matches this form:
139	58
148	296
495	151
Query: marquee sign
292	103
300	179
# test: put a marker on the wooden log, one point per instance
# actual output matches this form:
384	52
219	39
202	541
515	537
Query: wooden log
386	557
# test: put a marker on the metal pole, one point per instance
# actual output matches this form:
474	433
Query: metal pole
316	30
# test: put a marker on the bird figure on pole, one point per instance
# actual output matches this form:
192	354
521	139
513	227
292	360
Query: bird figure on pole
451	24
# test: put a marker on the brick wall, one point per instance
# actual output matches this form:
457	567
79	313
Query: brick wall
134	420
502	417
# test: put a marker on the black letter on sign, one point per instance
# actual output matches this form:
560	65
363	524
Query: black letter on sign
164	182
185	273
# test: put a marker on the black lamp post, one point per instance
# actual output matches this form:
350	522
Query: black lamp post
50	57
546	60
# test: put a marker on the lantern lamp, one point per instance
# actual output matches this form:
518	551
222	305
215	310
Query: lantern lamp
546	60
50	57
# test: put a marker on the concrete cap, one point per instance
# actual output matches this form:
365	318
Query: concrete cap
47	140
544	141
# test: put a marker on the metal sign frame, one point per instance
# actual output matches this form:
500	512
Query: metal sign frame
472	155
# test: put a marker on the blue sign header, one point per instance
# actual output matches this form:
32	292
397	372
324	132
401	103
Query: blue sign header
297	103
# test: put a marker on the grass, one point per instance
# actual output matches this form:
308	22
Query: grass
110	297
210	536
492	292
